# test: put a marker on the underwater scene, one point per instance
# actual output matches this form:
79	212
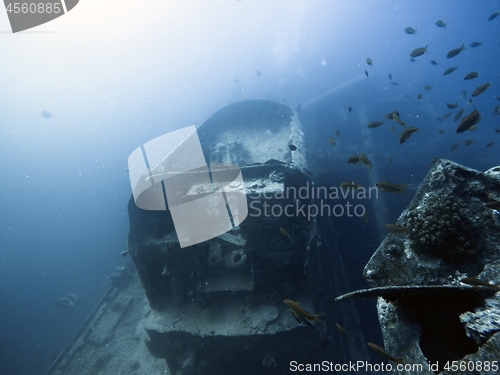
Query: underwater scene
250	187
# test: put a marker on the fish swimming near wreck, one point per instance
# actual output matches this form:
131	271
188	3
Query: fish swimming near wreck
46	114
455	51
440	23
393	228
389	187
353	159
406	134
475	282
471	75
366	162
469	121
285	233
481	89
450	70
494	205
343	331
384	354
301	315
350	185
419	51
410	30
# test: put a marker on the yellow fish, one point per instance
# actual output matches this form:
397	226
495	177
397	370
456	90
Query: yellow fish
391	188
342	330
285	233
301	315
397	228
348	185
384	354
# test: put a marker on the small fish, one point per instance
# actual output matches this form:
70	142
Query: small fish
395	117
427	87
411	30
468	142
342	330
420	96
454	147
440	24
393	228
392	129
446	115
475	44
349	109
459	114
390	76
469	121
419	51
337	132
497	131
389	115
332	141
301	315
474	281
353	159
406	96
258	73
493	16
349	185
496	111
236	80
369	61
395	83
384	354
364	159
292	147
285	233
494	205
441	131
389	160
463	94
471	75
374	124
456	51
412	59
451	106
366	74
481	89
434	62
46	114
406	134
392	188
490	144
366	217
450	70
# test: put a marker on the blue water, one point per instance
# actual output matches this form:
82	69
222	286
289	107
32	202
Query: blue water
116	75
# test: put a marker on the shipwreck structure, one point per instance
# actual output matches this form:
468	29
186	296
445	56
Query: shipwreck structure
437	282
216	306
